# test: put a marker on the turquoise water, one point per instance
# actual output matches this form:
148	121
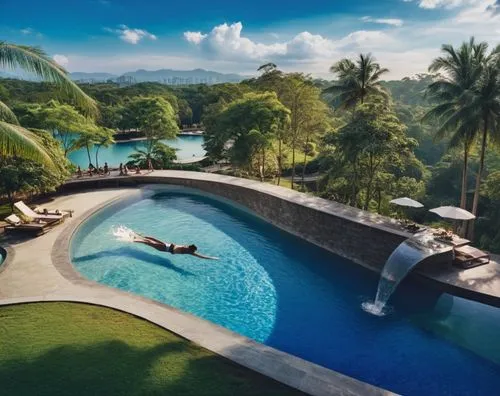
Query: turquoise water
187	146
284	292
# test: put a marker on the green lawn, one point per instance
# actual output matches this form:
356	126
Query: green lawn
75	349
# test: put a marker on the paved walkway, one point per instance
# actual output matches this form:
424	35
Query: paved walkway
32	275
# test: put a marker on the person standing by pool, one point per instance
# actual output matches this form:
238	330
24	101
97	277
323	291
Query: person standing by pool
106	169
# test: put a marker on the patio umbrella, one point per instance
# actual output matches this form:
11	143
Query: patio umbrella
411	203
452	212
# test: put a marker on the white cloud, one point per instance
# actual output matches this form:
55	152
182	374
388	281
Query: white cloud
131	35
431	4
383	21
226	41
194	37
61	60
28	31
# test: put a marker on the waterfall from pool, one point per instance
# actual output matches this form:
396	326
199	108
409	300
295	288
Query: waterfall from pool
399	264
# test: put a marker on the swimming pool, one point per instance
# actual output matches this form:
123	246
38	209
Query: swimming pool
187	146
286	293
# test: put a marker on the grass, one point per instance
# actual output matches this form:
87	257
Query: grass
75	349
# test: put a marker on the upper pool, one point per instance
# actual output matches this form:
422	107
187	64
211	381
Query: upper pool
187	146
293	296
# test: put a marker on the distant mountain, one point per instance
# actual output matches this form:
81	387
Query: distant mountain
182	77
92	77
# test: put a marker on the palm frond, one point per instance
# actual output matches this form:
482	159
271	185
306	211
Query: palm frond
34	60
19	142
7	115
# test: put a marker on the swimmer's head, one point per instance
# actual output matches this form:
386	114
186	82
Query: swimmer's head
192	248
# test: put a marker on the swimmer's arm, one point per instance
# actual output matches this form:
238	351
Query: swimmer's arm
203	256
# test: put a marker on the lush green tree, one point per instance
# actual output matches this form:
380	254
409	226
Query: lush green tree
366	150
161	156
20	175
15	140
461	69
308	114
103	138
65	122
155	117
245	128
356	81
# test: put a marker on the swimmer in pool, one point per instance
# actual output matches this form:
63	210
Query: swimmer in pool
170	247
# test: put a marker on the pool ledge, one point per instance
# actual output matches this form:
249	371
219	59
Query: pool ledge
42	272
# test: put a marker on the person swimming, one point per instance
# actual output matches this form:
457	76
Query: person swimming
128	235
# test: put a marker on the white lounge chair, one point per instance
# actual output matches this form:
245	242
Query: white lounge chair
27	211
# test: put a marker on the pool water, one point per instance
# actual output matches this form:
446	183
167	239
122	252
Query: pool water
187	146
291	295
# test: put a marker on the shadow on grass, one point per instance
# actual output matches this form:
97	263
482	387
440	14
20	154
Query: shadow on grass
134	253
115	368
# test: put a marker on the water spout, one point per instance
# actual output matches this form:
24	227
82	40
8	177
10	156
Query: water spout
399	264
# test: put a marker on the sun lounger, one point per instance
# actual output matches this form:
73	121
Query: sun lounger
27	211
470	257
15	224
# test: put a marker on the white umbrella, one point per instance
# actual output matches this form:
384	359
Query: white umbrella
411	203
452	212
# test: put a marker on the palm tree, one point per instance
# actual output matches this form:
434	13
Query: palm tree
15	140
356	81
461	68
485	105
159	154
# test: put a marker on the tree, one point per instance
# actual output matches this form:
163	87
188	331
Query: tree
27	176
470	103
462	68
155	117
369	151
356	81
245	127
15	140
103	138
161	156
486	106
307	111
65	122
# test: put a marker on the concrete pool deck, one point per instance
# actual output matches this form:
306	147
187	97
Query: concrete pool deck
40	271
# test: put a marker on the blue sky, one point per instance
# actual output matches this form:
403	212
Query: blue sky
237	36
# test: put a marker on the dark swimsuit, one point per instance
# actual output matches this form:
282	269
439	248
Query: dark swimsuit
171	248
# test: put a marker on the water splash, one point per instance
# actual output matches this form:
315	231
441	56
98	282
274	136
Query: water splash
402	260
124	234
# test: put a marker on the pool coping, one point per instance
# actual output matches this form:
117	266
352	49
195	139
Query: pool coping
10	255
278	365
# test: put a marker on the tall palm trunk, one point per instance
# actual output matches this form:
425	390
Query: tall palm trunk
97	156
293	165
88	152
475	202
463	195
462	229
280	165
305	161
